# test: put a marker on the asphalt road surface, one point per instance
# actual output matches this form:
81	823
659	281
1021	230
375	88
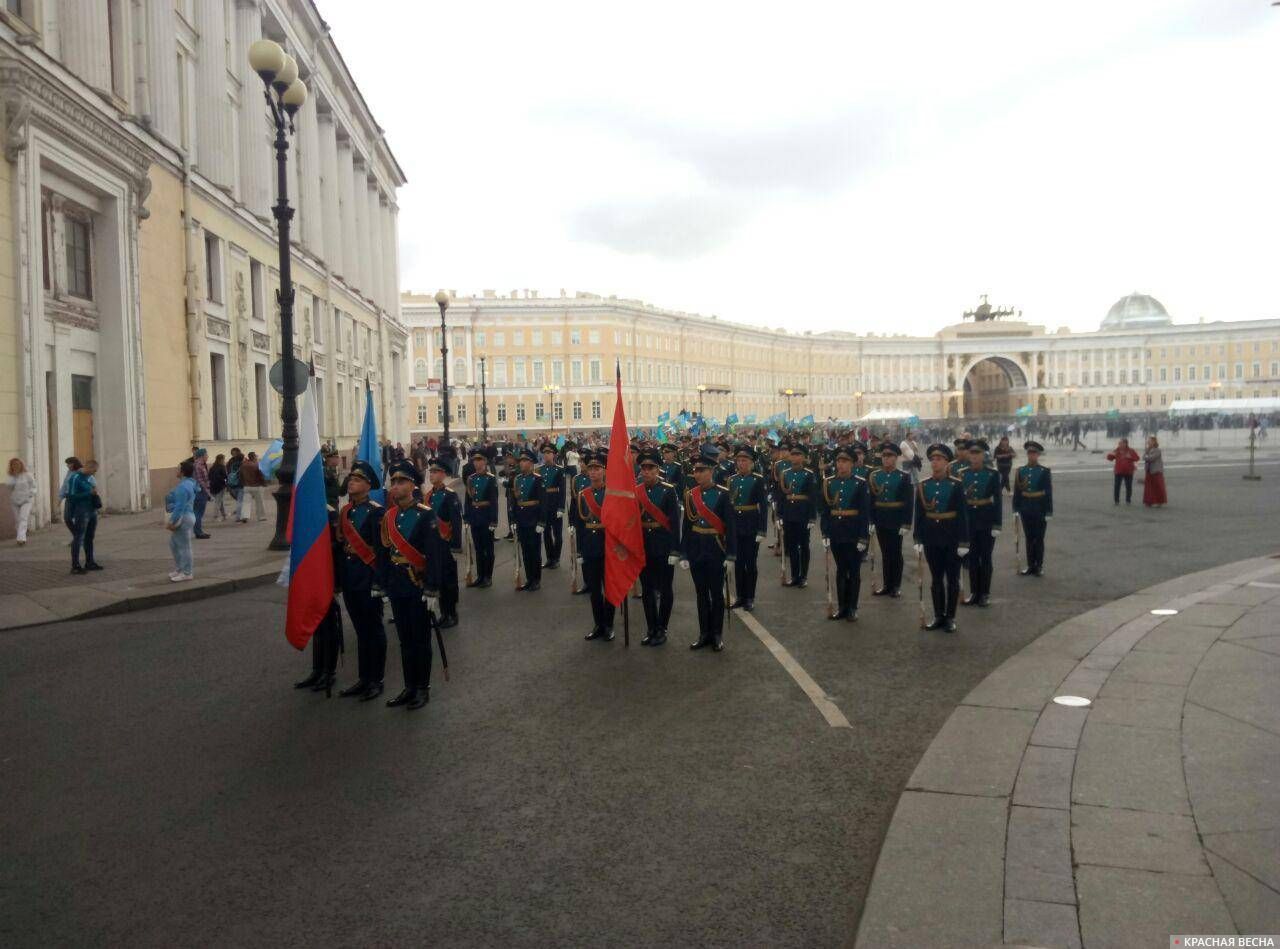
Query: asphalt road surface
164	785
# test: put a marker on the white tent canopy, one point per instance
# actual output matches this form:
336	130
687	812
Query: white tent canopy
1259	405
887	415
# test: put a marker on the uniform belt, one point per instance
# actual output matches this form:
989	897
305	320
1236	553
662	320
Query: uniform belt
479	503
528	503
550	490
844	512
705	530
979	503
593	527
1033	494
652	525
797	497
945	516
746	507
888	504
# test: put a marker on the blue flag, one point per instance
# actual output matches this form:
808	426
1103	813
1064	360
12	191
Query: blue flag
732	419
367	450
664	418
272	455
750	420
807	421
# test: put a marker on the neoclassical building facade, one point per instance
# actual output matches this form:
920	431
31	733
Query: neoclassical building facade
138	275
548	363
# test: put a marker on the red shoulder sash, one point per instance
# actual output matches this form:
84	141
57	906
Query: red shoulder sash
589	495
416	558
705	512
652	509
353	538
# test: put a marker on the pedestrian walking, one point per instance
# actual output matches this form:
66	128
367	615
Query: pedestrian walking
179	504
218	485
1126	461
22	494
255	485
90	472
77	506
1004	453
234	484
1153	489
199	458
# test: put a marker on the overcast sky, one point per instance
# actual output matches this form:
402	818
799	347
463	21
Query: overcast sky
856	166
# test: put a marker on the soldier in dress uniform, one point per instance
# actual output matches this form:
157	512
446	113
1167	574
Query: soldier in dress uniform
409	575
359	527
671	470
942	533
984	502
526	492
510	469
447	508
708	543
960	461
586	516
861	468
846	530
581	481
1033	504
481	513
778	466
750	521
553	500
891	510
660	521
326	641
799	508
724	469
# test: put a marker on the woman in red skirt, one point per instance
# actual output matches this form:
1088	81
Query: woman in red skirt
1153	493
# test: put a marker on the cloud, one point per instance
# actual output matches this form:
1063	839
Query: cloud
666	227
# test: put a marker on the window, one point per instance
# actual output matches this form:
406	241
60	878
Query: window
440	412
617	338
499	340
480	339
499	372
422	414
1177	373
1164	374
337	329
519	411
593	337
1222	369
595	370
557	411
538	372
537	337
1239	370
539	412
263	399
218	380
557	338
460	371
459	340
517	338
420	372
1148	373
77	236
575	337
557	371
577	411
518	371
462	411
1191	373
575	372
502	411
355	342
595	409
212	267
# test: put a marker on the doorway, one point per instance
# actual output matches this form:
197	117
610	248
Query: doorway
82	417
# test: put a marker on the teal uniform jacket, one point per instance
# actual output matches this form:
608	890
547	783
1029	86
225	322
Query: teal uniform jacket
800	489
396	574
941	518
673	474
526	492
701	542
448	511
590	530
957	468
846	510
482	501
1033	491
891	501
983	498
750	506
354	574
660	542
552	488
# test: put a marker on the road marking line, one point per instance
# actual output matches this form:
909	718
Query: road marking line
835	718
1263	583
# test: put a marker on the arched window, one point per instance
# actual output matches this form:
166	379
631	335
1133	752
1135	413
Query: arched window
420	372
460	371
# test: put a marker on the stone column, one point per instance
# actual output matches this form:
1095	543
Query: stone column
159	74
85	37
344	180
256	152
213	119
376	285
391	251
360	236
331	212
309	197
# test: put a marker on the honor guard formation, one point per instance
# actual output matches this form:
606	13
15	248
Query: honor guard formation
703	506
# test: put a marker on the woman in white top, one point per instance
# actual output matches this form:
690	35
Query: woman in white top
22	494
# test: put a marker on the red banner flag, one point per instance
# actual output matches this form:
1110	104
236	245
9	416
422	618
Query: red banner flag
623	536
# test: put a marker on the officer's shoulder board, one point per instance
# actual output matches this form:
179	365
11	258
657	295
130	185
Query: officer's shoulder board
373	503
859	478
424	507
666	484
955	479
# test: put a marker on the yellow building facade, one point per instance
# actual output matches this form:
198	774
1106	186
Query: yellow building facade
138	272
548	364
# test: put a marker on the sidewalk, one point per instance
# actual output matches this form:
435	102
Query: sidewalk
1154	810
36	585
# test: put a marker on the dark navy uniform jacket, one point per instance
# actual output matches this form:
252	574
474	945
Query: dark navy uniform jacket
448	511
590	530
365	518
482	500
1033	491
396	573
983	498
701	542
750	504
799	493
527	495
672	473
553	488
846	510
659	541
891	501
941	518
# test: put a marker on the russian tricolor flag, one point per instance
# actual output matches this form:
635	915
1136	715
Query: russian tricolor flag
310	551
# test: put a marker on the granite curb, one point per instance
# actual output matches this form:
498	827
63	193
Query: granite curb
1152	810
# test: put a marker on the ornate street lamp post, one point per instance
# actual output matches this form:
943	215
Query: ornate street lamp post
551	389
442	301
279	73
484	403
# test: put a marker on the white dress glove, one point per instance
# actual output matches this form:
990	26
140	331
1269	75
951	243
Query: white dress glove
904	531
672	560
1017	514
995	532
826	543
862	546
962	551
684	565
433	604
731	559
759	538
540	528
580	560
919	548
